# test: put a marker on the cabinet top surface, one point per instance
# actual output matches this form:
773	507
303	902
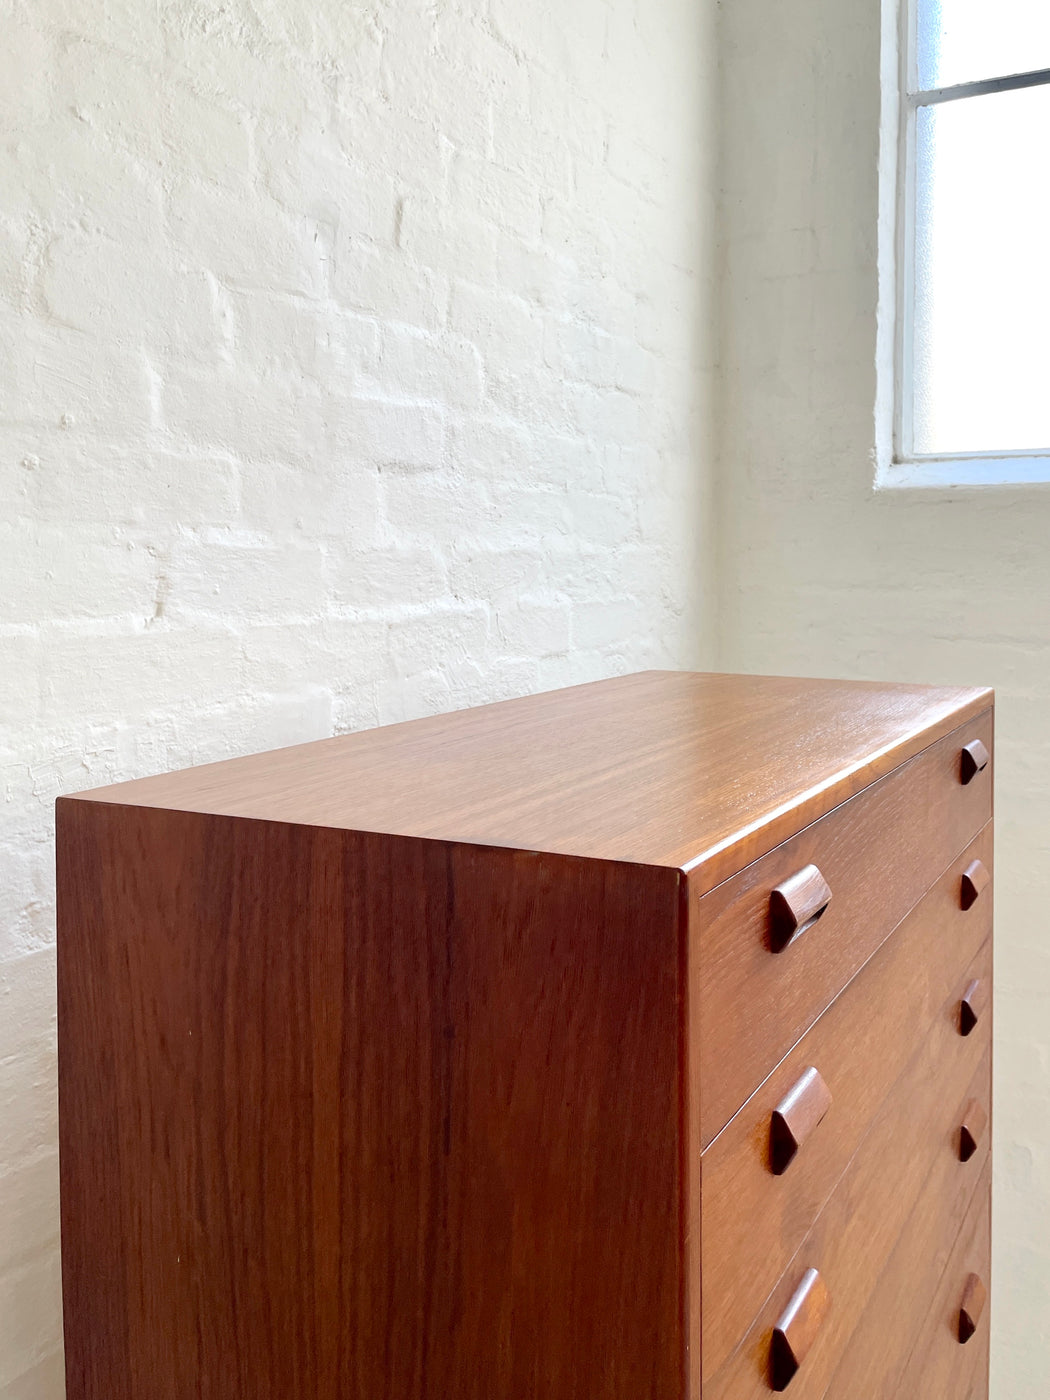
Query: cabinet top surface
662	767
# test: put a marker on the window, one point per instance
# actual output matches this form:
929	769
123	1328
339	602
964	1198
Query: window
970	300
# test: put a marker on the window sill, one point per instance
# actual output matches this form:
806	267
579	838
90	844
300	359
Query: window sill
947	473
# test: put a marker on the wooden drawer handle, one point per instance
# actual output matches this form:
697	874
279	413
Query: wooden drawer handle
974	1298
975	1120
795	1117
795	905
974	879
973	1005
797	1328
973	760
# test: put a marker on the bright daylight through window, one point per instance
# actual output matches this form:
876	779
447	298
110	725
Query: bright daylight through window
973	238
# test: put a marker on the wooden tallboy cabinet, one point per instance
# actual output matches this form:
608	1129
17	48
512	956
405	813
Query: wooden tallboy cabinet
627	1042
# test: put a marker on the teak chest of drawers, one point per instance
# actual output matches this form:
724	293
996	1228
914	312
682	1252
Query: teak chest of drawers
628	1042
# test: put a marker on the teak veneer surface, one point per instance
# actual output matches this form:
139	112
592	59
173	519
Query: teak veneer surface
659	768
860	1045
939	1364
879	851
911	1142
913	1301
352	1117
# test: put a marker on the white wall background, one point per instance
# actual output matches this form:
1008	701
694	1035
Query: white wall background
822	577
354	364
357	361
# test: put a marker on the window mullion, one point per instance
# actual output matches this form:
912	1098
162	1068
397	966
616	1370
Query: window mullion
982	87
903	357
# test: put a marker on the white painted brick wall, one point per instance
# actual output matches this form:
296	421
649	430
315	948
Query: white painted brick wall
352	366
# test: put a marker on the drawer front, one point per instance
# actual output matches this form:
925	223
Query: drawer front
940	1364
879	852
912	1144
903	1326
753	1218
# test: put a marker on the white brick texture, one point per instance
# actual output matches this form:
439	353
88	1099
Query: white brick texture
351	357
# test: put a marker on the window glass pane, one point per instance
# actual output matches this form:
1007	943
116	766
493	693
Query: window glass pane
981	330
960	41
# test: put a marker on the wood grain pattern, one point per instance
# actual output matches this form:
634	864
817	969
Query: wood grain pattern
879	854
796	1329
857	1230
356	1118
660	768
938	1365
753	1222
904	1312
974	1383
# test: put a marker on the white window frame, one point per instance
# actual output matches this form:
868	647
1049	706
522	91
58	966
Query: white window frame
896	464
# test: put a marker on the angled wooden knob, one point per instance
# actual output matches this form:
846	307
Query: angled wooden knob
795	905
974	879
974	1298
972	760
971	1131
973	1005
795	1117
797	1328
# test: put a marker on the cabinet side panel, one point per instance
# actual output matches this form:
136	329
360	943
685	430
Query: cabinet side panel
98	1238
364	1118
